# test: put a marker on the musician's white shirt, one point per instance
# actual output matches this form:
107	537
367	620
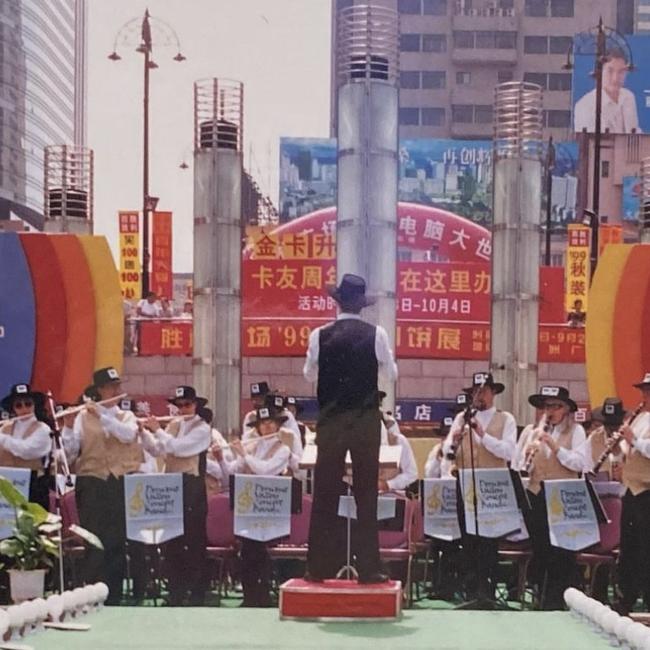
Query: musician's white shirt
223	468
408	469
256	459
124	430
437	467
193	437
503	448
641	427
37	445
575	458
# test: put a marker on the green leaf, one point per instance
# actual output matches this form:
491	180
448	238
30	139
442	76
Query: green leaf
11	495
87	536
38	512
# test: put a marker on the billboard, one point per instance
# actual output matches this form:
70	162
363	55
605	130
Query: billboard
453	175
129	224
626	95
632	188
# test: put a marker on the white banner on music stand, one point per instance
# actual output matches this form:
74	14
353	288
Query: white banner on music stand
441	509
19	477
572	521
262	507
386	507
498	512
153	505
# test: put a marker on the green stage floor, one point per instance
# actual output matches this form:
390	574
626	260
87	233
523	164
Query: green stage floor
147	628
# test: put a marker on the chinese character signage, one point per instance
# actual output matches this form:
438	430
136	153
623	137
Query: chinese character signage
609	234
161	254
166	337
129	223
578	267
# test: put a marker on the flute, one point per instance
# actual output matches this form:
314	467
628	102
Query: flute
18	418
77	409
166	418
617	436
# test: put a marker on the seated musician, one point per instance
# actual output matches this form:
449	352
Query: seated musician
183	444
25	441
607	420
267	453
307	436
396	479
437	465
554	448
258	392
219	459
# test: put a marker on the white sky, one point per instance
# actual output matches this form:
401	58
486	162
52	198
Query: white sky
279	49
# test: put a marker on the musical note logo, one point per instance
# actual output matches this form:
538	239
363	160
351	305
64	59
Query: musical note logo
136	502
434	502
245	499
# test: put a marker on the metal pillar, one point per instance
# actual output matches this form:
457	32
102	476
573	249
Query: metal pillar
644	210
68	189
516	240
218	106
367	137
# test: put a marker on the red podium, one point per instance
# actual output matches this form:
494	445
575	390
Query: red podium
340	600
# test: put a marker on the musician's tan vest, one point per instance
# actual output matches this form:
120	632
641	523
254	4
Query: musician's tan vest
483	457
551	468
271	452
7	459
636	470
598	440
176	464
103	455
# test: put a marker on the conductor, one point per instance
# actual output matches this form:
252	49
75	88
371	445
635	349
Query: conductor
346	357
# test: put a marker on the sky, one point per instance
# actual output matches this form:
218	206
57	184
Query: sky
279	49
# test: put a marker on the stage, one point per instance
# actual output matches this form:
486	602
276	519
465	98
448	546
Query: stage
135	628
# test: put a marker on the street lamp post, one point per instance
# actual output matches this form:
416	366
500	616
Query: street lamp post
549	163
125	36
594	42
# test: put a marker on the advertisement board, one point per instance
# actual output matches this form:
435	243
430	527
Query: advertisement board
129	224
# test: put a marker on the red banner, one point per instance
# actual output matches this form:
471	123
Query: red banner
161	258
167	338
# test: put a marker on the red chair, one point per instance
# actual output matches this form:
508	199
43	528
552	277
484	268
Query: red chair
222	543
73	548
399	546
295	546
604	553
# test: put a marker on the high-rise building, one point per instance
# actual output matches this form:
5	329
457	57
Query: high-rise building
454	52
43	95
642	18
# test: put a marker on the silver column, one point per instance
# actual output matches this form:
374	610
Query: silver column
68	189
218	107
367	74
516	240
644	208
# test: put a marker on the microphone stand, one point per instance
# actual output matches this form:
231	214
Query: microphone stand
60	463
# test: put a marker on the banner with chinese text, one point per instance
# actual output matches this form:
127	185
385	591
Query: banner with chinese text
165	337
129	224
578	266
161	255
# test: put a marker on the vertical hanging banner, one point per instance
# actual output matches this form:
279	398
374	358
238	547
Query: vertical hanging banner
161	259
129	222
578	266
609	234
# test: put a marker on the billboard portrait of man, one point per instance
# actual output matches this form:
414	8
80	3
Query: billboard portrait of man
619	110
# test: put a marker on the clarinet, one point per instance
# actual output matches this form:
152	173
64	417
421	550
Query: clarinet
617	436
530	460
469	415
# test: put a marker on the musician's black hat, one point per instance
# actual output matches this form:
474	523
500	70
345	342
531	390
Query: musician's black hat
187	393
645	382
552	392
259	389
611	412
23	391
290	400
351	293
268	413
480	379
103	376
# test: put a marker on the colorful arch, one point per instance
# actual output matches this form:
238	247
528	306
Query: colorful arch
109	343
617	349
82	322
17	314
51	312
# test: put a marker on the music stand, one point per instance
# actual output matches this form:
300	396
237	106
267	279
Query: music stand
389	456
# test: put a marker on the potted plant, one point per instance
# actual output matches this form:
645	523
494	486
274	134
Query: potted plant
34	547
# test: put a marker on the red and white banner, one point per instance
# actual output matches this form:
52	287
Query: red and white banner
129	227
165	337
161	259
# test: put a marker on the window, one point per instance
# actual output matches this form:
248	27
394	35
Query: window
604	169
560	44
434	43
562	8
505	75
409	42
536	8
463	78
558	119
484	40
408	6
434	79
559	81
506	40
409	79
433	116
483	114
434	7
535	44
538	78
462	113
409	116
464	39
